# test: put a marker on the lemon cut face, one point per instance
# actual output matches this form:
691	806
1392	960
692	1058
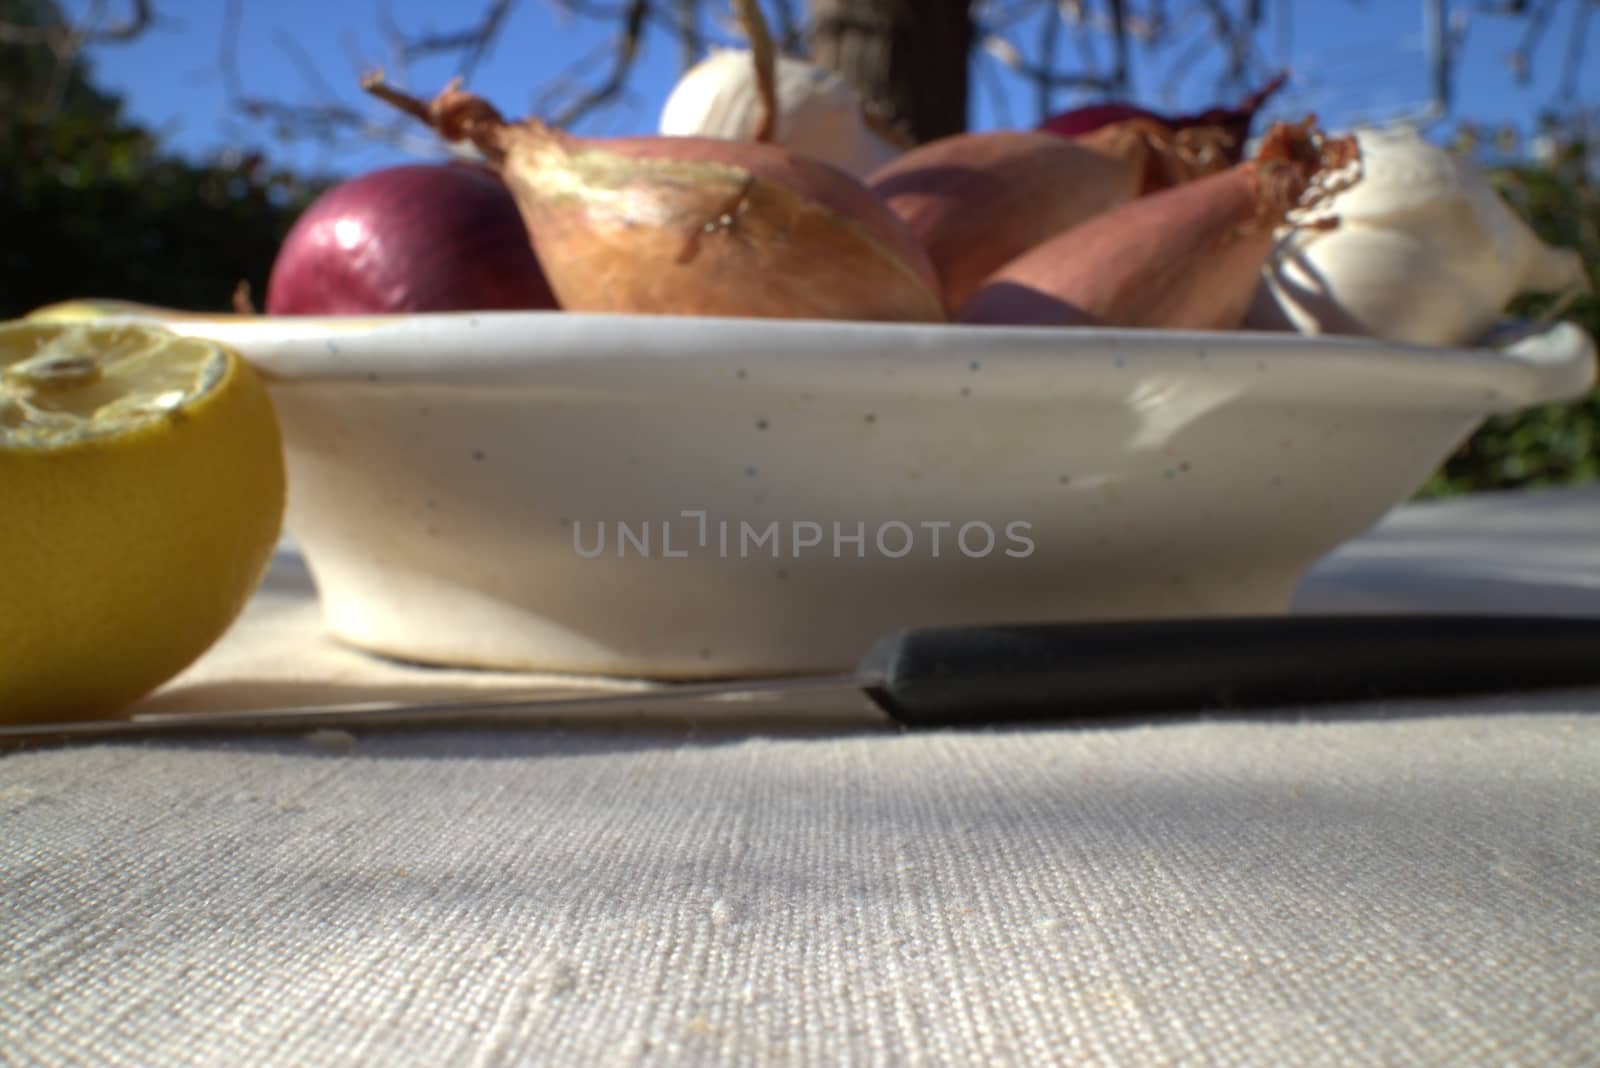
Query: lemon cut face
142	484
76	383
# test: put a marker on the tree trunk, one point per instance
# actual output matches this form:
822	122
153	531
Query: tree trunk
908	58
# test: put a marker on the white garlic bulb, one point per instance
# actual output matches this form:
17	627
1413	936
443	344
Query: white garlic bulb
1425	251
819	113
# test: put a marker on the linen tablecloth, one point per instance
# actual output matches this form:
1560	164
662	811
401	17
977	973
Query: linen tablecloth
1392	884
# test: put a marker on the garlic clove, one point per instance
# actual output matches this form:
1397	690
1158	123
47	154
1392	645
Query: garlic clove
819	114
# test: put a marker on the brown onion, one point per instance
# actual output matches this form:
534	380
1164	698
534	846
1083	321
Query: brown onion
694	226
1184	258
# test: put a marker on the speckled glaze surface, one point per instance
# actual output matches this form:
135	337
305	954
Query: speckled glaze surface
682	498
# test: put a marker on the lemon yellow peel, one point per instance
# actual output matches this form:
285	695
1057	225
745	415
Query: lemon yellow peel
142	476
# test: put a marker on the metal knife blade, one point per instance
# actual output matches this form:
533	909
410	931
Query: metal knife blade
978	675
496	708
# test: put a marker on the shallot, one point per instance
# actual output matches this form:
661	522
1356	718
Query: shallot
1163	156
976	201
1184	258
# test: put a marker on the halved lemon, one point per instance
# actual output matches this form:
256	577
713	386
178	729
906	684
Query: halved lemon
84	309
74	311
142	489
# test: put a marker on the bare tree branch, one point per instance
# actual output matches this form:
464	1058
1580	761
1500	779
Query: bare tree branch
327	121
997	93
1173	41
790	33
1153	27
1229	33
1521	58
690	41
626	53
1049	50
1442	49
1008	55
1119	45
398	66
1285	42
140	17
474	43
303	62
585	9
1083	37
999	17
1183	65
1576	42
358	64
66	41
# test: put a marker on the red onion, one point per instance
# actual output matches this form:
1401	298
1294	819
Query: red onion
1091	117
1234	121
413	238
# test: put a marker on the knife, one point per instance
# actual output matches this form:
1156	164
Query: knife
978	675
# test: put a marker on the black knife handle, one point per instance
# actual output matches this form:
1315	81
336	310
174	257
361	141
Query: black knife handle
946	676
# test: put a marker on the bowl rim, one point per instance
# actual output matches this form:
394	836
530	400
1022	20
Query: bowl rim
1518	364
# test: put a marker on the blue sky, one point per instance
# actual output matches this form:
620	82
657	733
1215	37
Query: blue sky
1352	60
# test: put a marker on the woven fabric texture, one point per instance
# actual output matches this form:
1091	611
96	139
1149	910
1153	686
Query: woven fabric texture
1417	889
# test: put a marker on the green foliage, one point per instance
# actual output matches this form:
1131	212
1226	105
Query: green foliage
91	207
34	79
1559	443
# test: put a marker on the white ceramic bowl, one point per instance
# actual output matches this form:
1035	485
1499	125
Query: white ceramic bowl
450	474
